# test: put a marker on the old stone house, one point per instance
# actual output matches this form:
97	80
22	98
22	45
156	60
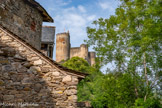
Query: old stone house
26	74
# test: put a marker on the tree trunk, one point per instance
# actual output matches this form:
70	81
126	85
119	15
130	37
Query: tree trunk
145	75
136	92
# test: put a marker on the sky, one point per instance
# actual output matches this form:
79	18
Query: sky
76	15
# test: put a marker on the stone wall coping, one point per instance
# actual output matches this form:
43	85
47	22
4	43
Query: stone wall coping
49	26
80	75
74	48
63	33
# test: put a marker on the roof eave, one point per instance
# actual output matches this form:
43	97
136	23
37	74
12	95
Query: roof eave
45	15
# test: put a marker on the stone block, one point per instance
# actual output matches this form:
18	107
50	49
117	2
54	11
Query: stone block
27	89
67	78
27	64
72	87
7	68
57	92
8	97
37	87
35	58
73	97
13	92
22	69
56	73
27	80
71	92
17	56
4	61
35	68
62	88
74	79
1	82
37	62
16	65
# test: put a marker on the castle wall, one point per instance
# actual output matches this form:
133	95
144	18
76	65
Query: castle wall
92	58
81	52
84	51
75	51
62	46
22	19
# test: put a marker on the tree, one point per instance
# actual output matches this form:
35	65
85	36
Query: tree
103	91
131	39
117	91
78	64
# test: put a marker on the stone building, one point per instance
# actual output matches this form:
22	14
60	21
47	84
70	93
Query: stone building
47	40
24	18
26	74
64	51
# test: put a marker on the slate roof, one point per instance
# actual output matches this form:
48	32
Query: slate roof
48	34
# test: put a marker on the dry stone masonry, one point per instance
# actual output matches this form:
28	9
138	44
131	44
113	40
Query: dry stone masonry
26	76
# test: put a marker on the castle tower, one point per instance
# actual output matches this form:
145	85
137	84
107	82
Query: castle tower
92	58
62	46
84	51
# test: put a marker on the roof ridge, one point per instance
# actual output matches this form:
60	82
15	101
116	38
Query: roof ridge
57	65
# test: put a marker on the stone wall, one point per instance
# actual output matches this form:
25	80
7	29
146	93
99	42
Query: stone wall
22	19
92	57
27	77
82	52
75	51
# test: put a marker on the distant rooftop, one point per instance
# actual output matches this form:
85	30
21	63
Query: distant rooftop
48	34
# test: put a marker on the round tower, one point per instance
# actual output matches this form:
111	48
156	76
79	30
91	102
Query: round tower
62	46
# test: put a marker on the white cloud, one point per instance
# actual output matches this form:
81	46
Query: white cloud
81	9
91	18
74	19
106	5
61	2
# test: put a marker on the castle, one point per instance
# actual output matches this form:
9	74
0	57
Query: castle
64	51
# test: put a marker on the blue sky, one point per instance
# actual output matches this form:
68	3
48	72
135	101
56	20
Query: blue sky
76	15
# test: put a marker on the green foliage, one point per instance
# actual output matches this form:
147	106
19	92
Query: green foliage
113	90
78	64
116	91
131	40
152	102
